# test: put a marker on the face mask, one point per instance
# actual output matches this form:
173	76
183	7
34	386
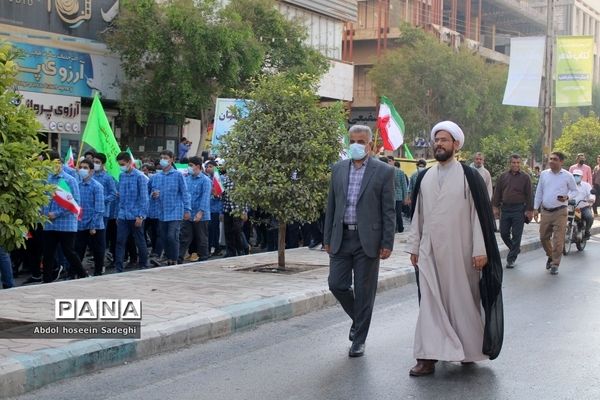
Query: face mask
97	167
357	151
84	173
164	163
420	169
123	168
577	179
191	170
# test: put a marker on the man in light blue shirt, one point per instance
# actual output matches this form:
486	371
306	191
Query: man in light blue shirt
109	184
90	227
195	230
61	227
555	187
169	187
133	207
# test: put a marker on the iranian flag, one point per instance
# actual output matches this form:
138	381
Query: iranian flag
64	198
390	124
217	185
133	160
69	160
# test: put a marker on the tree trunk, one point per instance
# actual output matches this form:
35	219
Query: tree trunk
204	117
281	246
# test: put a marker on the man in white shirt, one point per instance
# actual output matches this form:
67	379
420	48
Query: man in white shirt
555	187
583	200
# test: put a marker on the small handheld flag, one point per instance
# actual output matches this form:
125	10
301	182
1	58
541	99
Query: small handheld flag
69	160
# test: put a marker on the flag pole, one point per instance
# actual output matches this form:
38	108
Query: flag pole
80	151
375	148
81	139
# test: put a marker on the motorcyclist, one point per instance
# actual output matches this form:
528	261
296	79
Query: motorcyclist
584	194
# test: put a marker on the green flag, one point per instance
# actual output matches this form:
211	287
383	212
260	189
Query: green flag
407	153
98	134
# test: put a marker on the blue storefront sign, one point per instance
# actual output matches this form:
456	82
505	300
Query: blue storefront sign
60	71
50	70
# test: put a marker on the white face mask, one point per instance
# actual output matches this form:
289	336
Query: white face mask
84	173
357	151
97	167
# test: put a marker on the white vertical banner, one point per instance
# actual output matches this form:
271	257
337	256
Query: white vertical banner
525	71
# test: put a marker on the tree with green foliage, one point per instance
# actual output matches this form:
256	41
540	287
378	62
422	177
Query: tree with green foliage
497	150
279	155
282	40
22	174
429	82
581	136
178	55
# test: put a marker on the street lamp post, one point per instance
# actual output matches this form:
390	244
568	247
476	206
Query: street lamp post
547	99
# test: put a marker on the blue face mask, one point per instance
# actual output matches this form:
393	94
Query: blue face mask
83	173
123	168
577	178
191	170
357	151
164	163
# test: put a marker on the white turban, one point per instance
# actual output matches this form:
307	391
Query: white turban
452	129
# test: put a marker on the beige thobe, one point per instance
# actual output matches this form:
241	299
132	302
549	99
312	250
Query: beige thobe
446	234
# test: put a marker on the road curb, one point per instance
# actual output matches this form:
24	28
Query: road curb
27	372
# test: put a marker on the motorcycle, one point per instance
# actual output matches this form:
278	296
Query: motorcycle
575	232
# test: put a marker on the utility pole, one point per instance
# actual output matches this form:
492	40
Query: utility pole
548	82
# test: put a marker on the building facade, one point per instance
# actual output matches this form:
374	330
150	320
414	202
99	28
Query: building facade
484	25
63	63
576	18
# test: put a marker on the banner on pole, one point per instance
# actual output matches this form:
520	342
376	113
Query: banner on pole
574	70
525	71
225	119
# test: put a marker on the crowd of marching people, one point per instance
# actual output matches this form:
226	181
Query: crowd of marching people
154	215
160	212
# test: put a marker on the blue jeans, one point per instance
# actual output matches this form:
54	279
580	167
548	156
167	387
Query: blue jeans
169	233
6	269
124	229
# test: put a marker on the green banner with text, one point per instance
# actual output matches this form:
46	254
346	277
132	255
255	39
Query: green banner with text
574	70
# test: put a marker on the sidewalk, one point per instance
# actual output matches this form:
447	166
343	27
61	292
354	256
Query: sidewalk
181	305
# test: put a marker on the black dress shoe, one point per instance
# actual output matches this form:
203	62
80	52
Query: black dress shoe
352	334
356	350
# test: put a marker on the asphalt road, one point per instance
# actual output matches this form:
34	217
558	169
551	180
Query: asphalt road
551	351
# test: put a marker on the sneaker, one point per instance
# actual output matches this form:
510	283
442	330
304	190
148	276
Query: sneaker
549	263
58	271
155	261
554	270
32	279
187	257
193	257
510	264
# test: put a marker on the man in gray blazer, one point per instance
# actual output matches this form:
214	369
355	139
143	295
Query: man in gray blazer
359	231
